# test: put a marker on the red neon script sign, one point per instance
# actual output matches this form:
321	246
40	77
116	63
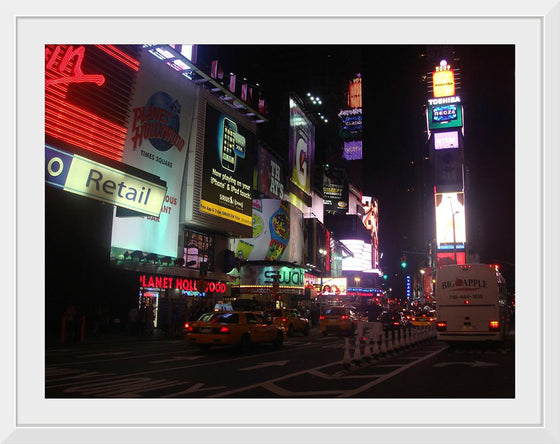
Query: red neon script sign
68	63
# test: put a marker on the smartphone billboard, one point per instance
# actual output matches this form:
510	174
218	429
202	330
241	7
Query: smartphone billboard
228	162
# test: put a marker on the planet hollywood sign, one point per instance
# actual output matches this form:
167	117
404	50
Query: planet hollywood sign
180	283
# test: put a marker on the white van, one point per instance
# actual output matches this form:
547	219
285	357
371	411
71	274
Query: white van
471	303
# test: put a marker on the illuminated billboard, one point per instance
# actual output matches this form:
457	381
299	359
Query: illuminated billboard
447	115
444	83
277	233
448	171
334	286
361	261
159	127
450	221
301	152
451	258
270	174
335	194
228	163
446	140
352	150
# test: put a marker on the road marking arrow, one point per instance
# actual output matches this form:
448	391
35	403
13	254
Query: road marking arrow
264	364
470	364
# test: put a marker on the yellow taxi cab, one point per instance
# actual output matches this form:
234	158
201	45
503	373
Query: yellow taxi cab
234	328
338	320
290	319
423	319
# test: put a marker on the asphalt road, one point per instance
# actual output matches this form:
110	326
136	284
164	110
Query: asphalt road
305	367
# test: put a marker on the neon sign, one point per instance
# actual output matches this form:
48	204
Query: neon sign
92	120
180	283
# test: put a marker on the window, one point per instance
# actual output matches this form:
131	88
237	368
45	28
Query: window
198	247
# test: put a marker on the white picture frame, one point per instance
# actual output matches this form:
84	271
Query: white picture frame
530	418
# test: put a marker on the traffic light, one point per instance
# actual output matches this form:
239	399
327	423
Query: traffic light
385	277
403	261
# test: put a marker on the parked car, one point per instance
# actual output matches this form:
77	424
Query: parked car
338	320
391	320
234	328
290	319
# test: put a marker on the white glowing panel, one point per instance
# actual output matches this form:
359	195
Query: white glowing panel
450	220
446	140
362	255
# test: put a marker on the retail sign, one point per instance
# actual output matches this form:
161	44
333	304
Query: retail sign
79	175
180	283
446	140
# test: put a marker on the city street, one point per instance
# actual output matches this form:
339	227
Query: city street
305	367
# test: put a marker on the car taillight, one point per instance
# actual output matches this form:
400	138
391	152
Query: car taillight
442	326
224	330
321	318
413	319
188	327
284	319
395	323
343	317
494	325
431	319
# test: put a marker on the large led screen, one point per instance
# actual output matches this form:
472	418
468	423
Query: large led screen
302	148
270	174
450	221
444	83
446	115
446	140
448	174
158	130
277	233
228	163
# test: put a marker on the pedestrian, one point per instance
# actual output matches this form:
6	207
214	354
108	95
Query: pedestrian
132	325
70	323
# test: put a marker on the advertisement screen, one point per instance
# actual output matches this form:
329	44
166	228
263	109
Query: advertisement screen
450	221
352	150
277	233
444	83
446	140
302	148
448	115
270	174
334	286
458	257
158	130
228	162
335	195
448	170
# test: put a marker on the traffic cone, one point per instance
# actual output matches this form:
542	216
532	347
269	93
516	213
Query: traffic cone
383	350
367	352
376	351
397	344
346	359
357	354
390	346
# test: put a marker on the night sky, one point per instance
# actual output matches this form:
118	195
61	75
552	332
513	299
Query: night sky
395	129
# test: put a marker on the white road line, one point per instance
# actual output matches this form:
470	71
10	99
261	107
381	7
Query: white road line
390	375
